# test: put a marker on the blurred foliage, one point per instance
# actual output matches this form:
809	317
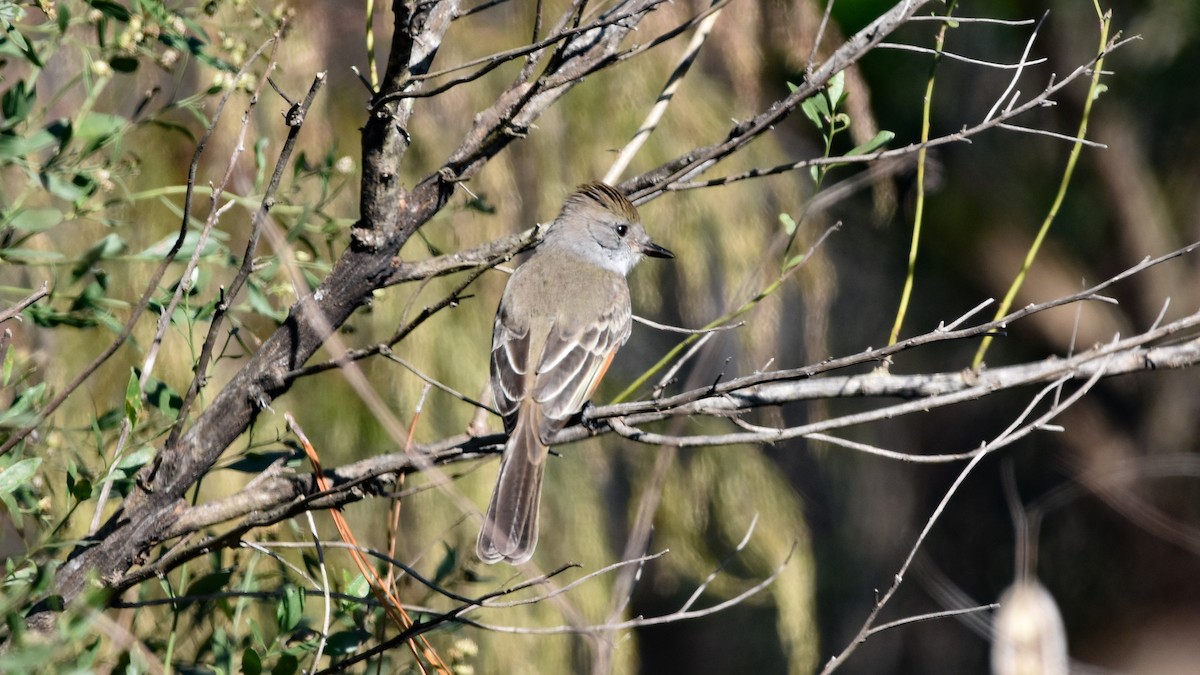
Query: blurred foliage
103	105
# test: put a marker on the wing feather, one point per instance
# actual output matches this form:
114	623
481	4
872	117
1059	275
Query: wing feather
573	361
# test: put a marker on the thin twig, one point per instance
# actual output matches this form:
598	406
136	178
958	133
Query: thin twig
931	616
664	99
958	57
1004	438
23	303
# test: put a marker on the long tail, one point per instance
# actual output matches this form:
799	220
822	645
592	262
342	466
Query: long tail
510	526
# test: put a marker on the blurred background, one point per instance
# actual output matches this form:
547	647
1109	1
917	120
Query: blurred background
1116	492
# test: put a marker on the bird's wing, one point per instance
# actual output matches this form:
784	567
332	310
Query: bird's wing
510	365
574	359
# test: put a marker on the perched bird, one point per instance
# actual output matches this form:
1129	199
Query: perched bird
564	314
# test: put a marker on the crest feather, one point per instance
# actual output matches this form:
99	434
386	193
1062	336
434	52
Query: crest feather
607	197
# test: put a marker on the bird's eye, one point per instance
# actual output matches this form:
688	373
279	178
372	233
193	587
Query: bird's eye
622	229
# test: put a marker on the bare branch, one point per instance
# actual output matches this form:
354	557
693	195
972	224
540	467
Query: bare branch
680	182
1005	437
23	303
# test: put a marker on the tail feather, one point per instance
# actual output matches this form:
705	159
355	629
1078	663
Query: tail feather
510	526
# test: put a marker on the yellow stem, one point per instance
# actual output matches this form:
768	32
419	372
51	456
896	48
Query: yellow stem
919	214
1105	21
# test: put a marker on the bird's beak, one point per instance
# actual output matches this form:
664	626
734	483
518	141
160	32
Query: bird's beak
655	251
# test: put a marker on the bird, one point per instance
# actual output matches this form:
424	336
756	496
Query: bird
563	315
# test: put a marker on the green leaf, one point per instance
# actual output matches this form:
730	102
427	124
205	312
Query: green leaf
882	138
837	88
290	609
358	587
17	102
15	44
96	129
816	109
133	398
257	462
251	662
18	147
80	488
10	358
160	395
789	224
162	247
29	256
72	189
136	459
110	420
36	220
111	9
110	246
345	642
447	565
210	583
286	665
261	304
260	161
18	474
123	64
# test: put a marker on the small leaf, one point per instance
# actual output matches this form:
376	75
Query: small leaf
251	662
36	220
448	564
160	395
123	64
160	249
17	147
837	88
882	138
111	9
257	462
21	410
29	256
136	459
109	420
793	261
358	587
17	102
345	642
10	358
286	665
96	129
290	609
210	583
816	109
80	489
261	304
789	224
260	161
18	474
72	189
109	246
133	399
